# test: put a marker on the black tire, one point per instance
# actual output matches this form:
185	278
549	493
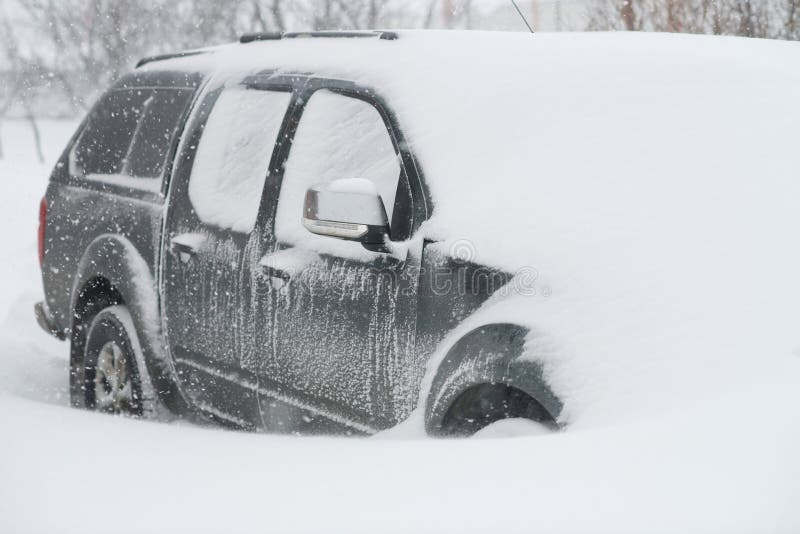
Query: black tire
482	405
111	377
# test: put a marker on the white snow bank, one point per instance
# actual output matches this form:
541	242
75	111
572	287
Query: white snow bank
728	467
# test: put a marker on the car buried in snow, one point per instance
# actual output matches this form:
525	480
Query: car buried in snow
331	232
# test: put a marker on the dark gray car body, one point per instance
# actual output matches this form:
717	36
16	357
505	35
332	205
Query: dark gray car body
340	347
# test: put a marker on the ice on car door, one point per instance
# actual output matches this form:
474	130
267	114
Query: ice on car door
344	322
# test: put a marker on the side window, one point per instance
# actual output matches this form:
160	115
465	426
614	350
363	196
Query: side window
103	145
129	134
233	157
338	137
148	154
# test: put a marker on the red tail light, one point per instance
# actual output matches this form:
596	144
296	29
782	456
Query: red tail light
42	225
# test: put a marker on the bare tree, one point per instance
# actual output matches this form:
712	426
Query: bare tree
10	87
85	42
351	14
268	16
776	19
791	14
455	14
22	89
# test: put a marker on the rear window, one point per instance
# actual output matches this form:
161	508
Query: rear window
129	134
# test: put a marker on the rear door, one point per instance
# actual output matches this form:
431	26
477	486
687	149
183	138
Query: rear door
213	207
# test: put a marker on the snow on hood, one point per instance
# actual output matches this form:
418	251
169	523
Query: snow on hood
650	181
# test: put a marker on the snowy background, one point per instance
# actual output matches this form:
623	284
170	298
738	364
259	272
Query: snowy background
729	464
55	55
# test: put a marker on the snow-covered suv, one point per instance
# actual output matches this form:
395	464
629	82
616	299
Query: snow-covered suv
325	233
242	239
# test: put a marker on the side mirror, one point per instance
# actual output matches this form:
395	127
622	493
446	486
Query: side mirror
349	209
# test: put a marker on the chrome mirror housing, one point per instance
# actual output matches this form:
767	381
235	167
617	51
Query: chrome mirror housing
349	209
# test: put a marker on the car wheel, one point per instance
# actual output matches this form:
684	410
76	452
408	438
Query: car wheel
483	405
111	381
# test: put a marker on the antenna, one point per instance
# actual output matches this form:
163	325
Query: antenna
521	15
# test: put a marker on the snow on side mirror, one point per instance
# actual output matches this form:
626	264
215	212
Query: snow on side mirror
349	209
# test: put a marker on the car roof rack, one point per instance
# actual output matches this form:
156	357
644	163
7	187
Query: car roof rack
163	57
277	36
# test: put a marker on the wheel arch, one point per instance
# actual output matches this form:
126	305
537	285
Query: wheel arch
488	354
110	272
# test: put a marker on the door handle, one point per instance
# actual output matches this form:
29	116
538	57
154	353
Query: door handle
274	272
185	246
284	263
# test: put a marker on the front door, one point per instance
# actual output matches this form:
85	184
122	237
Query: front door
343	317
214	204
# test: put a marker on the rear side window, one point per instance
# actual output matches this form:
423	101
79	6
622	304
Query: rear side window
129	134
103	144
233	157
151	145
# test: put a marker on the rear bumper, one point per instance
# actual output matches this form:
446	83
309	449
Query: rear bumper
46	322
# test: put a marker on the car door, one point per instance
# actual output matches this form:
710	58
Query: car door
342	317
213	207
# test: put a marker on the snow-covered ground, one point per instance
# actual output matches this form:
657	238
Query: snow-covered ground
730	464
